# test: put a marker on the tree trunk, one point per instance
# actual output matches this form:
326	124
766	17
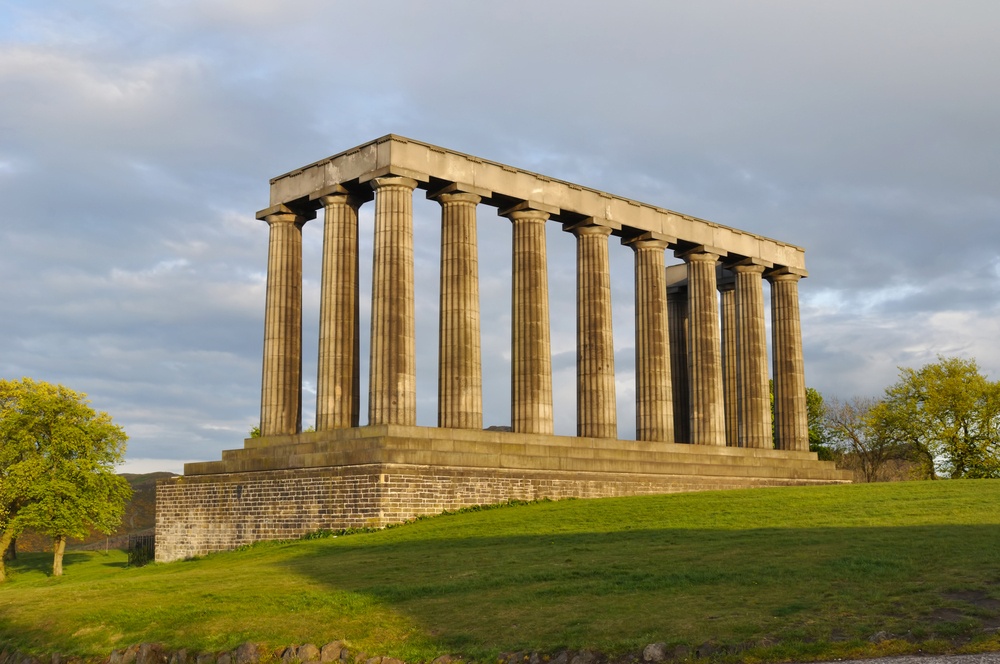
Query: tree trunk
58	547
10	553
6	537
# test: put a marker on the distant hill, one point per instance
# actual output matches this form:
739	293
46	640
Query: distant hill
140	518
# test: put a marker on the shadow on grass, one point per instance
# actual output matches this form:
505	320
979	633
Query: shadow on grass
619	591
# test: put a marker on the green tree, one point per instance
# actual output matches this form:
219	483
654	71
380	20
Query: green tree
818	436
949	413
57	461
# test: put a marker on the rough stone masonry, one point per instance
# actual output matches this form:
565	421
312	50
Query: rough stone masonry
703	416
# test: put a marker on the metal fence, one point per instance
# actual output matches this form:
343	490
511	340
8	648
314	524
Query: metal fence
141	550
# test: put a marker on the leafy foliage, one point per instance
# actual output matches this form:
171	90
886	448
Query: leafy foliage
57	460
950	414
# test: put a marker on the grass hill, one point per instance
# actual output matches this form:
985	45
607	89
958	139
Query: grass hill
760	575
140	517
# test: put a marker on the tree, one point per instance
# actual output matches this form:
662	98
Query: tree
950	414
856	428
818	438
57	461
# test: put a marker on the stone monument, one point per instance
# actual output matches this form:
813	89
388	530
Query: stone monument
703	415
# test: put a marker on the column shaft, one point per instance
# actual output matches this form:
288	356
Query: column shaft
727	297
753	391
791	417
281	381
337	381
531	345
460	374
392	397
678	323
705	352
596	408
654	412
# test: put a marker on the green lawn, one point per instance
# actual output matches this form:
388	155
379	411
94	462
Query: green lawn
770	574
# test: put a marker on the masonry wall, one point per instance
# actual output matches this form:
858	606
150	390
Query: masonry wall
196	515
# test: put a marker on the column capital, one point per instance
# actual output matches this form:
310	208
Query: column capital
702	253
588	228
283	214
533	207
337	193
747	268
393	181
649	240
456	197
784	273
458	188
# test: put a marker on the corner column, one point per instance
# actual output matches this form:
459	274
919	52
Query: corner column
654	408
754	394
727	298
705	351
460	372
531	344
790	413
392	396
337	380
596	408
281	380
677	327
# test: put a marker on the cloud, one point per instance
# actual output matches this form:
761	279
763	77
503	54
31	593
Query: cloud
136	143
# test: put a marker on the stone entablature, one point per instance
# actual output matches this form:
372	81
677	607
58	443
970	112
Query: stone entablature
502	186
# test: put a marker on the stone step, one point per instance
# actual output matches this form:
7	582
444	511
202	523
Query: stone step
391	451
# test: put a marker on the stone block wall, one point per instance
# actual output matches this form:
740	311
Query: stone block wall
201	514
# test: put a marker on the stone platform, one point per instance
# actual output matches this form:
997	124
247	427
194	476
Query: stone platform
285	486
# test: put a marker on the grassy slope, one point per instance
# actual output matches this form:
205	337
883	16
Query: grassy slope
789	572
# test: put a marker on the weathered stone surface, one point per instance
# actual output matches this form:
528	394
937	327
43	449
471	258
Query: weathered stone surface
288	655
307	652
247	653
561	658
224	658
205	658
150	653
584	657
654	652
331	651
115	657
130	653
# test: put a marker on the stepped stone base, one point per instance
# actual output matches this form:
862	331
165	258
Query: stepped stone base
285	486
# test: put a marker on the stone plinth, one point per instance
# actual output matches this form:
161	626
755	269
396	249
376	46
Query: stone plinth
286	486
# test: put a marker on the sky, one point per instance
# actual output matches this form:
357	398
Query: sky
137	139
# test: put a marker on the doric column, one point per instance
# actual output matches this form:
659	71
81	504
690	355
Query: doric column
337	376
677	327
791	418
392	396
705	348
531	345
727	298
654	412
596	409
281	380
753	392
460	372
